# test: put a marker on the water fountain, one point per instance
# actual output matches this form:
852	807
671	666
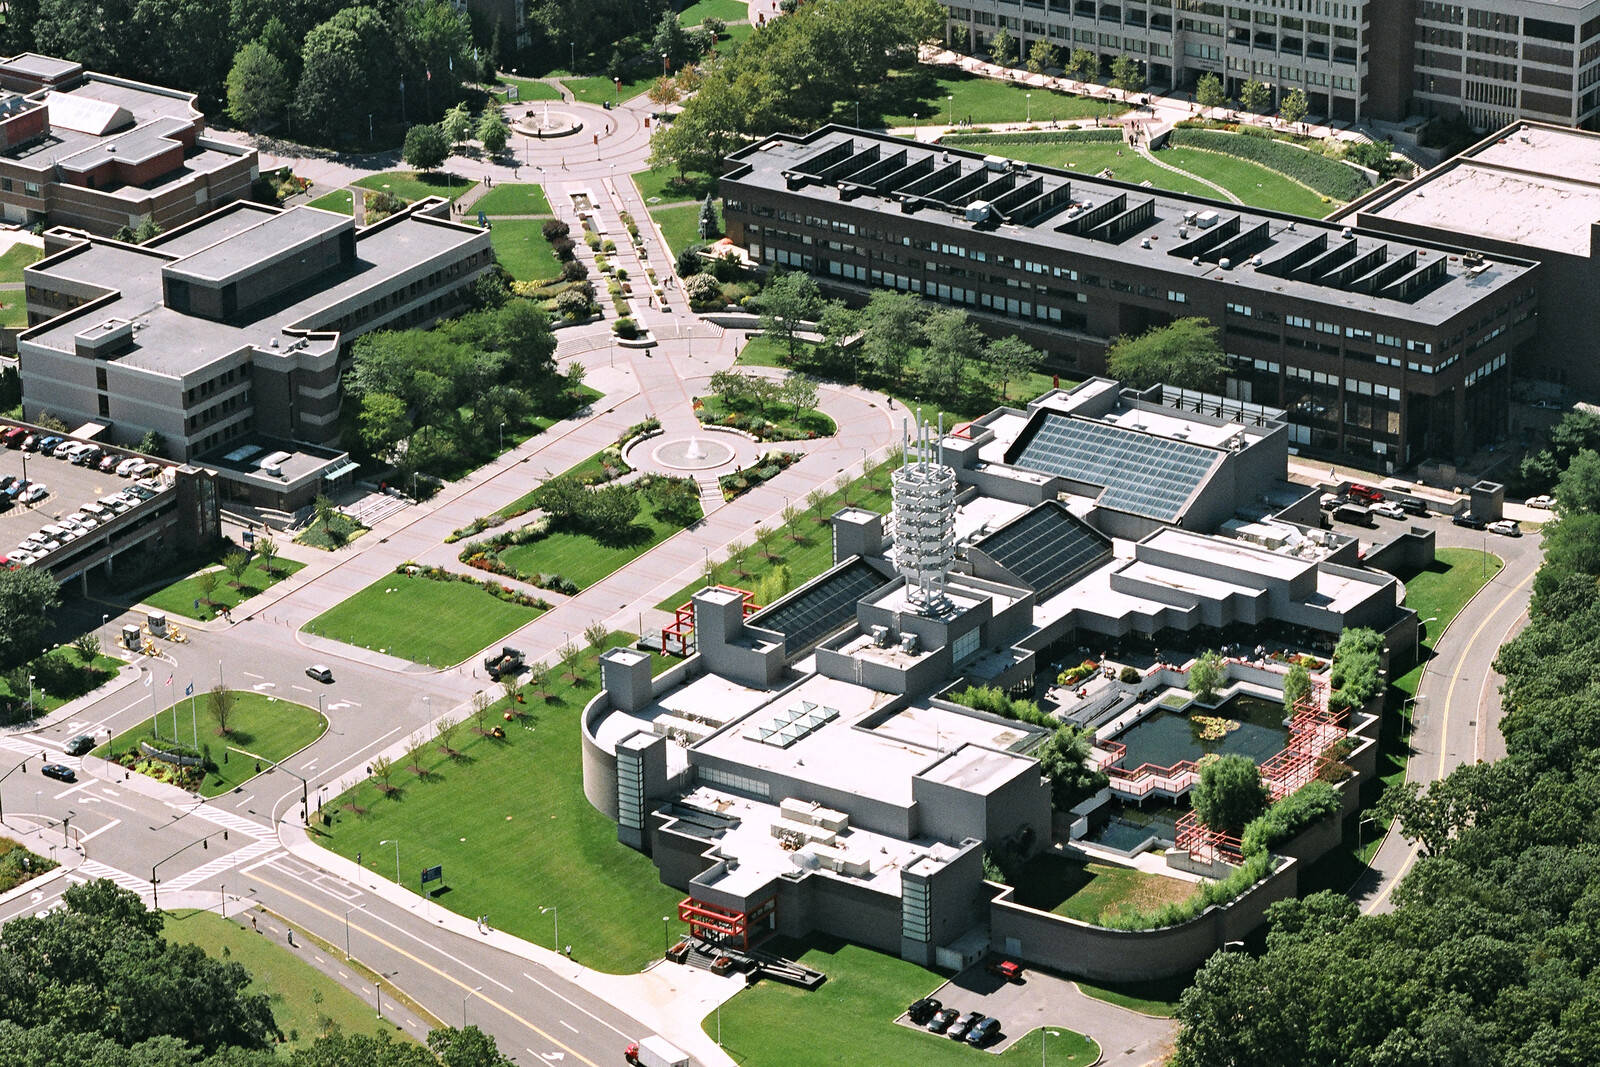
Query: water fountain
546	123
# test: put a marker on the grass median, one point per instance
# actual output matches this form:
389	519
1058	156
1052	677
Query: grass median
188	596
413	185
508	821
401	615
513	199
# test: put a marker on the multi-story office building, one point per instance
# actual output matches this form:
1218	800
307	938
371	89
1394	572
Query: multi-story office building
1491	61
236	328
101	153
1379	347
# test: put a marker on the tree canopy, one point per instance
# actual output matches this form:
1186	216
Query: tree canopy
1229	793
27	597
1184	353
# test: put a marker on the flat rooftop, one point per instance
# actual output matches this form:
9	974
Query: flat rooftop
1534	185
41	66
246	250
1076	215
978	770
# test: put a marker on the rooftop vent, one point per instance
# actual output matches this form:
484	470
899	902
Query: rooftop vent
1225	263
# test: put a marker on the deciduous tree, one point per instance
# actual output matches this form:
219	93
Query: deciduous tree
787	303
1253	95
1184	353
258	86
1209	93
1010	359
426	147
1229	793
28	596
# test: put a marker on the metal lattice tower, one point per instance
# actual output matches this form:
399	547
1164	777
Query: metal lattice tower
925	520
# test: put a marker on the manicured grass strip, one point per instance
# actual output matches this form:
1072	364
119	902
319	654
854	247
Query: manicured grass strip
16	257
726	10
583	560
509	823
1254	183
401	615
180	597
305	1002
711	410
50	695
680	225
1124	163
664	185
856	1009
521	249
599	90
411	185
340	200
806	558
260	724
1087	891
528	89
525	199
1159	997
982	100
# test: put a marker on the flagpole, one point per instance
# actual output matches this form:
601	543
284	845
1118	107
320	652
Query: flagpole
155	712
174	714
194	720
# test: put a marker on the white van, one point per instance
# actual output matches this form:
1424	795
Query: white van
52	532
98	512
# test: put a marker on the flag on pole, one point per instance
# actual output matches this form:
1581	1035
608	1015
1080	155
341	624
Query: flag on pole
189	692
150	679
169	679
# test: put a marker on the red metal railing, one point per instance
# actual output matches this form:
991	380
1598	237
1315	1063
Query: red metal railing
677	635
704	918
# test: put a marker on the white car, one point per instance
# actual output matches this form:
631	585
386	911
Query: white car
126	468
1506	528
1543	501
36	491
1387	510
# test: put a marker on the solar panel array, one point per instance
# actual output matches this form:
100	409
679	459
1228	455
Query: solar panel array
792	724
1142	473
823	608
1045	548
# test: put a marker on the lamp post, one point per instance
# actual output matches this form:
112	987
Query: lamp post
666	934
1416	644
950	111
475	989
30	691
556	911
1043	1034
1029	98
707	551
396	844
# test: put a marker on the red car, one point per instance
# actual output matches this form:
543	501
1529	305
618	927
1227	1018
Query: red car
1364	493
1006	969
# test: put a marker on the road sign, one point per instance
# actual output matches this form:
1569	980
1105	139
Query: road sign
432	874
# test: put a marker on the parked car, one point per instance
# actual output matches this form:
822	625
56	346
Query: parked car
1469	520
1354	514
48	444
1505	528
923	1010
1387	510
17	488
1329	501
959	1028
8	481
79	745
126	468
319	673
983	1032
1544	501
1010	970
59	771
942	1020
30	443
1364	493
88	457
18	559
110	463
36	491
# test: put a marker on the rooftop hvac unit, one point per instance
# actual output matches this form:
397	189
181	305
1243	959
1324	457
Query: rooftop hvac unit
996	162
978	210
880	636
908	643
1206	219
1225	263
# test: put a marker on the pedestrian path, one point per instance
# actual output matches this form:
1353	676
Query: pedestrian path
1153	158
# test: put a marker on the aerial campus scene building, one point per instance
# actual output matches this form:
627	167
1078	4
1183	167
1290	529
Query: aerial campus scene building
837	588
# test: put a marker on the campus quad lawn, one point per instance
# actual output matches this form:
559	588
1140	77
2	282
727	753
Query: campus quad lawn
260	724
726	10
710	410
680	225
1087	891
521	249
1091	158
922	93
400	615
16	257
1256	185
288	981
99	673
581	559
13	311
603	90
510	825
528	89
663	185
340	200
509	199
179	597
805	558
410	185
850	1018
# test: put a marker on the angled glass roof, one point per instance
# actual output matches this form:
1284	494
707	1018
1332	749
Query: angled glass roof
1142	473
823	608
1045	548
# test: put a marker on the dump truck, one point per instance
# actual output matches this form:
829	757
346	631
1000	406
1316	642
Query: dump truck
506	661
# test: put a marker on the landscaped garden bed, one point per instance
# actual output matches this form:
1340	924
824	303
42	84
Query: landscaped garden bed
765	469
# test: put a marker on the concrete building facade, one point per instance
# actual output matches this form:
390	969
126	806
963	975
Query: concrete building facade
100	153
1382	349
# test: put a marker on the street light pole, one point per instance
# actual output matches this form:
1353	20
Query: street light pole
1416	644
396	844
557	920
1029	98
666	934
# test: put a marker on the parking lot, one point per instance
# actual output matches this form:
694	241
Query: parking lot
70	488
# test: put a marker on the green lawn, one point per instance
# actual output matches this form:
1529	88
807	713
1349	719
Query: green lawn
509	823
600	89
1087	891
805	558
305	1002
921	93
680	225
521	249
1256	185
581	559
850	1018
528	89
317	533
726	10
13	309
260	724
664	186
1159	997
1092	158
73	683
736	33
977	399
16	257
180	597
782	417
411	185
525	199
340	200
401	614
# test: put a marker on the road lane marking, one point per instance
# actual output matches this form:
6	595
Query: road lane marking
580	1007
91	836
569	1026
448	977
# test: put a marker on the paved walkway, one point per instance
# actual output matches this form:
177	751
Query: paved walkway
1153	158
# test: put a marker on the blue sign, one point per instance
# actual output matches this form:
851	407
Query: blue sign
433	874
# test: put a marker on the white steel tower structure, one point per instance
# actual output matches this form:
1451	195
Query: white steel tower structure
925	520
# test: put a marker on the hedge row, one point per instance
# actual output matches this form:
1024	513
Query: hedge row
1289	816
1326	176
1052	137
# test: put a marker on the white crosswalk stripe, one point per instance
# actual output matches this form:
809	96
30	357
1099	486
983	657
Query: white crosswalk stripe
95	869
220	865
228	820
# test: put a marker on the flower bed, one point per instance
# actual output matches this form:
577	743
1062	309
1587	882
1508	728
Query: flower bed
1074	675
768	467
494	589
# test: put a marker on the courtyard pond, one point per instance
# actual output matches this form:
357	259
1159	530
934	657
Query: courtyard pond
1243	724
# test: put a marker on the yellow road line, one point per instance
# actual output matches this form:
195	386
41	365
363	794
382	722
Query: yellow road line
452	979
